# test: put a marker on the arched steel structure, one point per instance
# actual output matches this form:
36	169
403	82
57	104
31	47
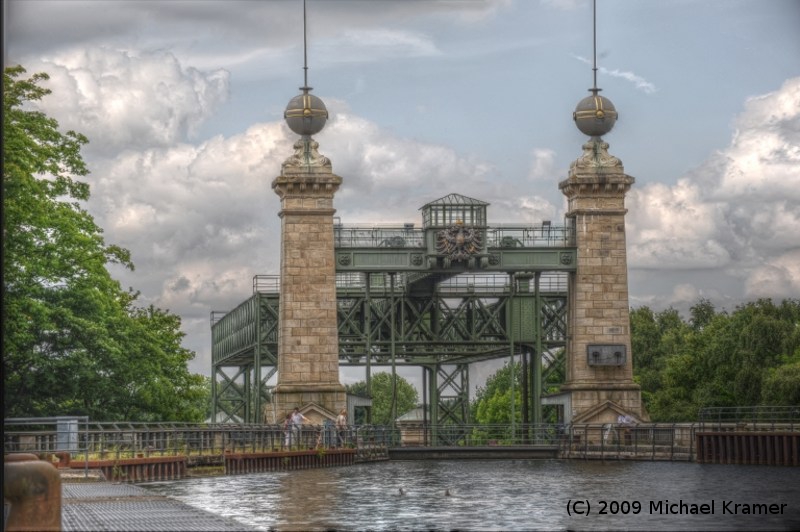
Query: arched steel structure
452	293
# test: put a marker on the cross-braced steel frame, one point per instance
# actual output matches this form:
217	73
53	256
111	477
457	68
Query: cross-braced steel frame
382	323
442	297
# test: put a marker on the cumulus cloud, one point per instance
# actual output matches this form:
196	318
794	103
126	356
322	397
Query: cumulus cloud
244	31
130	101
200	218
777	278
404	173
543	165
672	227
739	212
762	161
682	296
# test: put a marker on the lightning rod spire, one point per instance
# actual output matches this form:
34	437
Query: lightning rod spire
595	115
305	51
594	89
306	114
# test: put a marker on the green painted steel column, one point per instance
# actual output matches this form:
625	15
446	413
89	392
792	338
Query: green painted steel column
257	415
536	361
368	340
511	350
392	319
463	397
434	395
214	393
425	405
525	392
247	390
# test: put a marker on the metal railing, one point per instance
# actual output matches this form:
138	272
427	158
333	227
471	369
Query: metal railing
48	435
645	441
266	284
378	237
476	435
507	237
90	441
766	418
536	236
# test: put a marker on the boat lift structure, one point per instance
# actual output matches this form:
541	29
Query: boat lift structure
454	292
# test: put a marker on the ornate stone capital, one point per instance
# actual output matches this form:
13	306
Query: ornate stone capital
306	172
596	173
306	185
306	158
595	156
596	186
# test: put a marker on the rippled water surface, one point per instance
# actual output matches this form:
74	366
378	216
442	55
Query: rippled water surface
495	495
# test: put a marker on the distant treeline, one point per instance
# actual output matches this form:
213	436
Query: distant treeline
750	356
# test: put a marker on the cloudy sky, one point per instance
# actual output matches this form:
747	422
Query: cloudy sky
183	104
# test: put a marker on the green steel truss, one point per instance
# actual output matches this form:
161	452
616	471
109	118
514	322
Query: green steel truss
442	297
469	318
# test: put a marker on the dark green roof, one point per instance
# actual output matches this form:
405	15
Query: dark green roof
455	199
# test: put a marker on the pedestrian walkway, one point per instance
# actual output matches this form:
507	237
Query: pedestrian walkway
93	506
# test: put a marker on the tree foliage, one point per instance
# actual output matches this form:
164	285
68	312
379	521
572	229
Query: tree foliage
406	396
715	359
492	403
749	357
73	341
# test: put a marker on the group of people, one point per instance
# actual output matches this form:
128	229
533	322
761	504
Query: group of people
293	428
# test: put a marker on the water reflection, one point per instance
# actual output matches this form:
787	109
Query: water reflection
493	495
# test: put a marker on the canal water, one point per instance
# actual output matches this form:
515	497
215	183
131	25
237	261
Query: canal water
504	495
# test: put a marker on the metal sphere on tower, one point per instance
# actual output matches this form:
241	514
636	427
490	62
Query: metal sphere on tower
306	114
595	115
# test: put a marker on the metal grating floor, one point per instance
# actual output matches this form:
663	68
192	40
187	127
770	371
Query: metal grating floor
121	507
100	490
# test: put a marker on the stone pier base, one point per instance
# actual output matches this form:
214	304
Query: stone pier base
596	404
317	402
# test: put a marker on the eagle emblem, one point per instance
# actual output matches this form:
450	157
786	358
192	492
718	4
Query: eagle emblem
458	242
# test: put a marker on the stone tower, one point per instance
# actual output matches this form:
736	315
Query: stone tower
308	344
599	383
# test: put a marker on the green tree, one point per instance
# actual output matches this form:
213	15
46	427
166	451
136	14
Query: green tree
73	341
701	314
656	338
492	403
781	385
405	397
716	359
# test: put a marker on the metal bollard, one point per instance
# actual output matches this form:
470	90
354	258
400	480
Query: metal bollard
33	489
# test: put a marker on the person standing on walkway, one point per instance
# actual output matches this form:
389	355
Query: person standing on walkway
287	431
297	424
341	427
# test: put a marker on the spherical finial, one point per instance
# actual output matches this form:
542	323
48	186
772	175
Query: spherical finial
306	114
595	115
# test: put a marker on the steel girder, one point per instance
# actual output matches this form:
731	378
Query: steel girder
244	358
383	325
442	330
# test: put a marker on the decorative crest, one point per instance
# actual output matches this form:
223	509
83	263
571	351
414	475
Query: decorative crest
459	242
